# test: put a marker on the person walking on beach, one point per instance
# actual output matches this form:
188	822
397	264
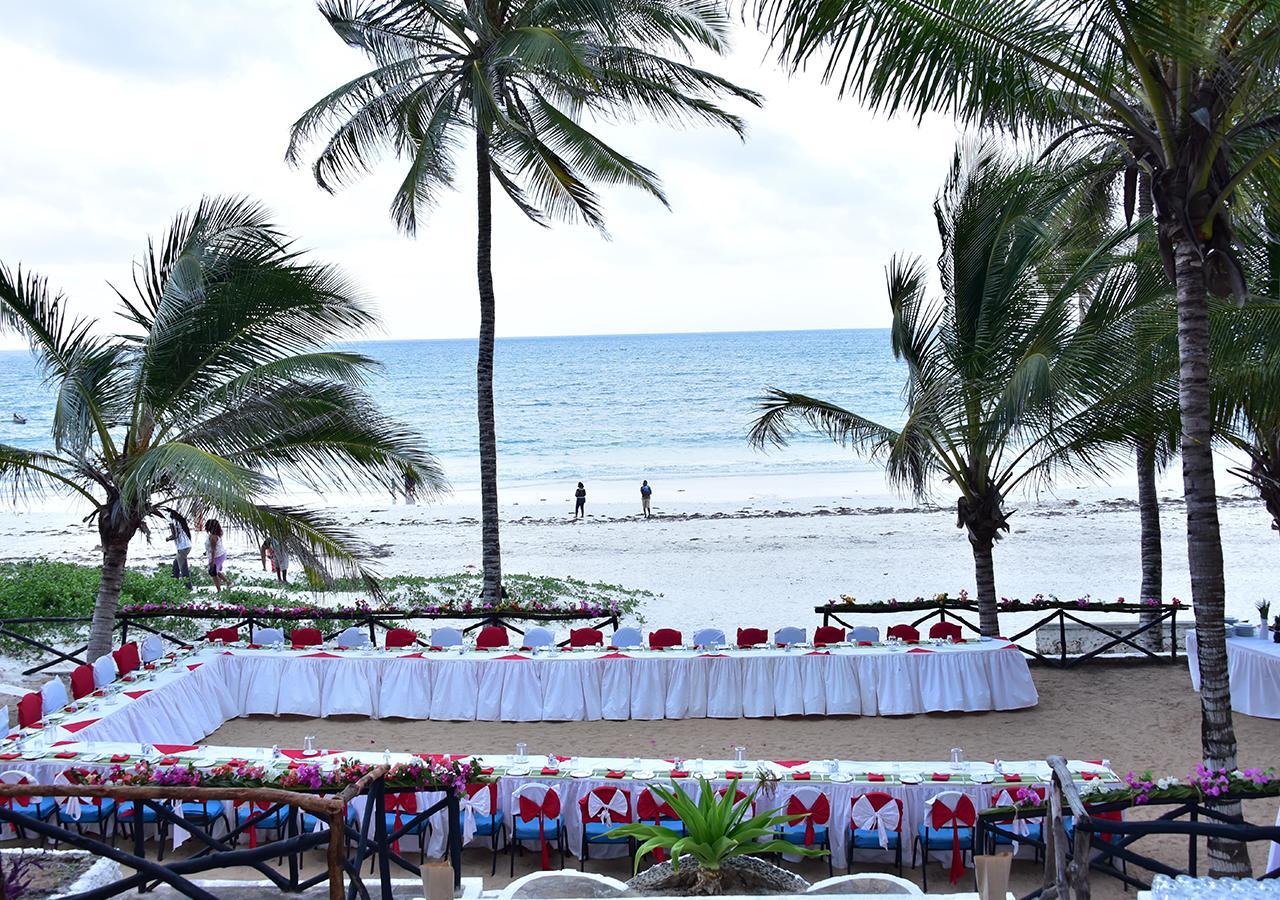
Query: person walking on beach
216	547
410	487
645	493
180	534
580	502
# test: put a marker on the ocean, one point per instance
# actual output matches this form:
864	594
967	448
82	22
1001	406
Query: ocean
599	407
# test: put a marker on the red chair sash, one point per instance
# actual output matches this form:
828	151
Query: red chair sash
492	637
586	637
650	810
749	637
828	634
817	814
962	815
664	637
547	808
904	632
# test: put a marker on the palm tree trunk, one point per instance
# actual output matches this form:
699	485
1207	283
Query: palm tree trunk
1152	553
115	553
1204	540
985	575
490	546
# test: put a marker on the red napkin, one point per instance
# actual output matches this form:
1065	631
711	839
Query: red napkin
99	693
169	761
941	776
679	773
9	755
149	666
547	770
128	678
255	646
320	655
615	774
911	642
173	748
874	776
73	727
1008	777
866	643
564	758
1096	762
120	757
799	776
415	655
435	649
791	763
712	655
61	743
66	754
487	770
136	694
818	653
1090	775
34	725
730	773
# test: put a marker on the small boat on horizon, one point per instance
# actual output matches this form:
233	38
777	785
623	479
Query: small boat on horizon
19	420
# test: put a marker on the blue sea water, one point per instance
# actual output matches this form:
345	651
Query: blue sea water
598	407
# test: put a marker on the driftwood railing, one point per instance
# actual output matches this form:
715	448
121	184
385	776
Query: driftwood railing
343	863
1080	838
1057	616
13	629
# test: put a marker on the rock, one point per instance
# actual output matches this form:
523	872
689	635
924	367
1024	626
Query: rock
556	886
739	875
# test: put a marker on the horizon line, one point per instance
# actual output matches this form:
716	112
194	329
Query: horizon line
521	337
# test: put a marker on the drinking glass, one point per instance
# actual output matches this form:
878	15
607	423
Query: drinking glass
522	752
739	754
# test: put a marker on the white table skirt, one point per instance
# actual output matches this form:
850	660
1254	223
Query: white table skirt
519	687
1253	666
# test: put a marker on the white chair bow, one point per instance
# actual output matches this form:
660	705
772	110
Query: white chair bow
884	820
478	804
69	805
599	808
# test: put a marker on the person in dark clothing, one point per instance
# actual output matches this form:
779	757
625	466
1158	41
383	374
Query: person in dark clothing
580	502
646	493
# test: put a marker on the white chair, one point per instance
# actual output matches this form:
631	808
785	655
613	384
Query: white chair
538	637
628	637
865	633
785	637
152	648
104	671
708	637
354	637
267	636
53	696
446	637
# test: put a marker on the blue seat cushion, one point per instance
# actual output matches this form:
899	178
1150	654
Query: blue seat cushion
202	812
528	831
671	824
943	839
489	825
127	813
39	807
276	819
596	833
794	834
90	812
1033	833
869	839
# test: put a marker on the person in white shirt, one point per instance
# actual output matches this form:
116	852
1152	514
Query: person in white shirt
180	534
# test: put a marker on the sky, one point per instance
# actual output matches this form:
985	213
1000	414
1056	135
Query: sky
119	114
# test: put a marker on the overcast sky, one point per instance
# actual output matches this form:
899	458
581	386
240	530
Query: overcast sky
118	114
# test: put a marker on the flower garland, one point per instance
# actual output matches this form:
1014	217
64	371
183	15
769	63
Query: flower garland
962	600
452	776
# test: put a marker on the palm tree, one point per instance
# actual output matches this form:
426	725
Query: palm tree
1188	90
222	395
1001	370
518	76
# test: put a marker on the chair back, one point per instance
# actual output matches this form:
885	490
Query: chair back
306	637
226	635
127	658
401	637
868	633
878	810
104	670
663	638
827	634
16	776
811	804
708	637
948	630
70	806
951	809
491	637
53	696
650	809
904	633
482	799
152	648
627	637
749	637
586	637
536	801
738	795
607	805
538	636
267	636
354	636
29	710
446	637
785	637
82	681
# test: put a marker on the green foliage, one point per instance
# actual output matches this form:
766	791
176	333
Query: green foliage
716	828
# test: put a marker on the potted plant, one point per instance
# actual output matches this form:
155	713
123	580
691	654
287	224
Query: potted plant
1264	615
717	831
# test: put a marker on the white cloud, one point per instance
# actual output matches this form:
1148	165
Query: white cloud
119	114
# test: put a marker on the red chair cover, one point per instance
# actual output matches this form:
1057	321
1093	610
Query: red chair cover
226	635
127	658
961	815
817	814
29	710
827	634
749	637
948	630
255	807
664	637
491	637
81	681
401	637
547	808
306	637
586	637
648	809
400	802
904	632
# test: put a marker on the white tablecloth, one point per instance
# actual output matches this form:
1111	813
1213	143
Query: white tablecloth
1253	666
635	684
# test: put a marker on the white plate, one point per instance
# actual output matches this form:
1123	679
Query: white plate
580	773
31	754
911	779
518	771
643	775
841	778
984	777
311	755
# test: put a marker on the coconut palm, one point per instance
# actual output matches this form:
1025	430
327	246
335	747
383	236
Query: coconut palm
221	394
518	77
1004	369
1188	90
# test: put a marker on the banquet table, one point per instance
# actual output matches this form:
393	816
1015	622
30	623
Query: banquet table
584	685
1253	666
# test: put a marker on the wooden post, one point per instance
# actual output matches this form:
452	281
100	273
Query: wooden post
455	839
378	796
337	845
